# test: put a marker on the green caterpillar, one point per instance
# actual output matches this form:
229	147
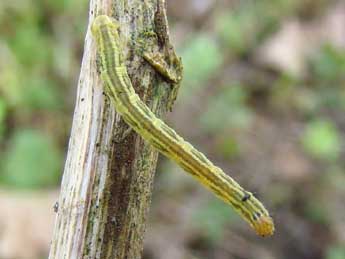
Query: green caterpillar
127	103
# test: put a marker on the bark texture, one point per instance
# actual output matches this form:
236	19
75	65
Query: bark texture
107	182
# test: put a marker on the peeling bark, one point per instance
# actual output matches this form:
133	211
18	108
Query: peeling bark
107	182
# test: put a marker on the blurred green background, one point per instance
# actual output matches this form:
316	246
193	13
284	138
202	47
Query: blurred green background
263	96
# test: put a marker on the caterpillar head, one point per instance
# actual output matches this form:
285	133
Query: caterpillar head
256	214
262	224
101	22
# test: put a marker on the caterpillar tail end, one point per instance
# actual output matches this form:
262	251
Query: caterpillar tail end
264	226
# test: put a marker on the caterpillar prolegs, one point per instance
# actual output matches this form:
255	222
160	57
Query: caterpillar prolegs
127	103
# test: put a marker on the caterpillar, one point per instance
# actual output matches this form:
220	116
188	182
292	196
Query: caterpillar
118	86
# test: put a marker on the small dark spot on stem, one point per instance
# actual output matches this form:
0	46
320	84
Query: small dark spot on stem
56	207
82	99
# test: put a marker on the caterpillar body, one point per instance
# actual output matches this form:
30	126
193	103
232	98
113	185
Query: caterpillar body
127	103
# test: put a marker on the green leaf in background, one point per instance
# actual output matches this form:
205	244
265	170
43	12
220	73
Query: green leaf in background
10	76
236	31
41	93
316	212
3	112
201	58
283	93
227	110
21	11
31	46
335	178
212	217
329	64
3	108
228	146
24	88
59	5
32	160
251	22
67	7
336	252
332	98
322	140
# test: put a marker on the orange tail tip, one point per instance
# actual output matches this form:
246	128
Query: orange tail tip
264	226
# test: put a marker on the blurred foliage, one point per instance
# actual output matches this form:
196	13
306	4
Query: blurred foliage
240	118
228	147
3	111
328	65
322	140
313	103
38	63
227	110
336	252
236	29
199	64
213	217
316	212
32	160
41	93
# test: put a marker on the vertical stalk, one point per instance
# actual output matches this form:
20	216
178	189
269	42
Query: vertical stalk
107	181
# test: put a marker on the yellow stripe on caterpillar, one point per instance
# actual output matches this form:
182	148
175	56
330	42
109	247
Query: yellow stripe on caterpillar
127	103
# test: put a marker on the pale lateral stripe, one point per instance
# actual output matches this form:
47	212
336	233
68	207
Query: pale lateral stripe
165	139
